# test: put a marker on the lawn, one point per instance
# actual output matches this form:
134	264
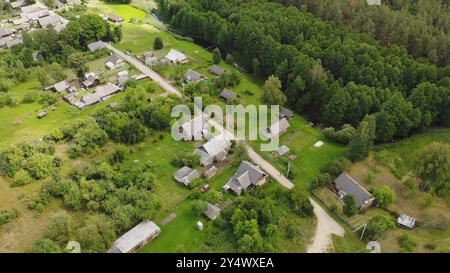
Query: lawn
181	234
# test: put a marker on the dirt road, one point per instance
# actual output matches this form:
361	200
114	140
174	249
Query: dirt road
325	224
164	83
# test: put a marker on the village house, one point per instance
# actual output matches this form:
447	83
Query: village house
113	61
59	86
276	129
247	176
115	18
122	78
193	76
286	113
6	32
18	4
135	238
214	150
101	93
193	129
212	211
175	57
52	19
95	46
186	175
91	80
216	70
228	95
345	184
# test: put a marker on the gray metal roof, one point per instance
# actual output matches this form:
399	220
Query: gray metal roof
246	175
346	184
228	94
186	175
217	70
193	76
96	46
212	211
136	236
114	59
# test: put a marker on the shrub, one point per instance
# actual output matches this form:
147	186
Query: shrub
384	196
350	207
158	43
378	226
21	178
185	159
300	203
30	96
121	153
406	243
44	245
336	167
292	230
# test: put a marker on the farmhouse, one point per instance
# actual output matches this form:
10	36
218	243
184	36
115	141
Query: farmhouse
192	76
276	129
14	41
214	150
52	19
406	221
101	93
18	4
228	95
345	184
91	80
216	70
186	175
113	60
122	78
175	56
115	18
247	176
59	86
286	113
212	211
193	129
96	46
135	238
6	32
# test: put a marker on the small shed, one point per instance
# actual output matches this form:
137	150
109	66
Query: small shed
42	114
193	76
212	211
186	175
95	46
406	221
282	150
228	95
216	70
209	173
115	18
286	113
135	237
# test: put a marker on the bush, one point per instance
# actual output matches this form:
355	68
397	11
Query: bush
121	153
185	159
60	228
198	206
350	207
378	226
44	245
158	43
21	178
406	243
30	96
384	196
300	203
336	167
292	230
7	215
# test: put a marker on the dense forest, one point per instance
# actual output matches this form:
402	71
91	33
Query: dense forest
331	73
421	26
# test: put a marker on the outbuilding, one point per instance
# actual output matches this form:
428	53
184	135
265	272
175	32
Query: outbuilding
136	237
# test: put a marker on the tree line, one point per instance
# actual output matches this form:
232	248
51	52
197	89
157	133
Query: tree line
421	26
330	73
